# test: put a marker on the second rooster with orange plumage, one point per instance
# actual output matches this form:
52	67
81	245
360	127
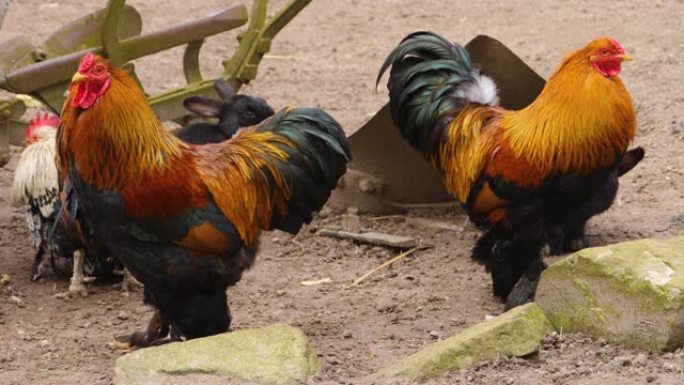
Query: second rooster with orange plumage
522	174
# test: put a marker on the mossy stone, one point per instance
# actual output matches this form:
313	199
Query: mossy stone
274	355
517	332
630	293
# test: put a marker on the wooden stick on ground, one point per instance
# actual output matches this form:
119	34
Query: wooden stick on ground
387	263
374	238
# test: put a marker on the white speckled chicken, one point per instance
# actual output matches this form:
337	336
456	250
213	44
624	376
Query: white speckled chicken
36	187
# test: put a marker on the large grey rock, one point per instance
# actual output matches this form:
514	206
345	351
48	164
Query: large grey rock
276	354
630	293
517	332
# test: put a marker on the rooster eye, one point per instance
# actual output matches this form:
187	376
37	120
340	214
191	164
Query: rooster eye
99	70
604	52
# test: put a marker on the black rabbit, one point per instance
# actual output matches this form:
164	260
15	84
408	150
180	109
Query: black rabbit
233	111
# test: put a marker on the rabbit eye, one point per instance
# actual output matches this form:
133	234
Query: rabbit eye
249	114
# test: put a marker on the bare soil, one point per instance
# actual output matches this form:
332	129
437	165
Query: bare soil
329	57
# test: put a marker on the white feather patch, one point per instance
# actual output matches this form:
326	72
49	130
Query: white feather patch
481	90
36	175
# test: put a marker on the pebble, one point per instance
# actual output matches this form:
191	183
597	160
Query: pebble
584	371
347	334
640	360
434	335
122	315
17	301
620	361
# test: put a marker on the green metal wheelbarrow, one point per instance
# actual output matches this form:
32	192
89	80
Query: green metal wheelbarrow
44	71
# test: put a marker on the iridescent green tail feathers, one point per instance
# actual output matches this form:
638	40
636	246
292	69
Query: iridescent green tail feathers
431	80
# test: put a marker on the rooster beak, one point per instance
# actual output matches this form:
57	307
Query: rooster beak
625	57
78	77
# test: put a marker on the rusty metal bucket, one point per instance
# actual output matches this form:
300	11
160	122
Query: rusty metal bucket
387	176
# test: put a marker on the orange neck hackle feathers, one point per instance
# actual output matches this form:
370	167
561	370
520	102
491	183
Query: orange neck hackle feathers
118	139
580	121
462	157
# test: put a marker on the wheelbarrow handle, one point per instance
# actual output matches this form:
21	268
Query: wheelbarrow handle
59	70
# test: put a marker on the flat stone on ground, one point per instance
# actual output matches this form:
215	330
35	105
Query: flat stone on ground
274	355
517	332
630	293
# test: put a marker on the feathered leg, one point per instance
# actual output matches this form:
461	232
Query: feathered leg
524	290
38	262
197	315
575	239
555	239
129	283
515	250
482	251
155	334
157	329
513	259
77	281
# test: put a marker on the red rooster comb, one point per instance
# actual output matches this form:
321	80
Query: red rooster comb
47	120
86	62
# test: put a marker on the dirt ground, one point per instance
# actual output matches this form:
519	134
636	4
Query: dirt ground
329	57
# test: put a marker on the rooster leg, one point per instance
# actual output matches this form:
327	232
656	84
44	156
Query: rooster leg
576	239
153	335
196	315
129	283
38	262
501	268
556	239
482	251
523	291
77	285
513	254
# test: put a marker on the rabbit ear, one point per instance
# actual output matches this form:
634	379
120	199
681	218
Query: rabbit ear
203	106
224	89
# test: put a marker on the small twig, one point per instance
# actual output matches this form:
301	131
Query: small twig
387	263
374	238
417	206
386	217
313	282
434	224
279	57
